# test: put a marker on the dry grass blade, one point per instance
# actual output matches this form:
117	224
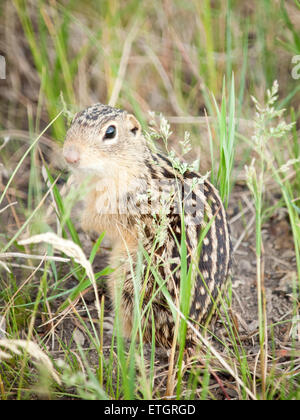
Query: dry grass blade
2	264
123	64
9	205
72	250
33	257
32	349
2	327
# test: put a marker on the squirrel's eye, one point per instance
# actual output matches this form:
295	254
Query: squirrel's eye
110	133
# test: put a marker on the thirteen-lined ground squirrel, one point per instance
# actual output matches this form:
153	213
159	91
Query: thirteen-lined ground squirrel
137	196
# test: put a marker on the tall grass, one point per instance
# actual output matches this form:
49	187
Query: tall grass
267	131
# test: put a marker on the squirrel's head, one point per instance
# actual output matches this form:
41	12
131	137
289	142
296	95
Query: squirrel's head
102	138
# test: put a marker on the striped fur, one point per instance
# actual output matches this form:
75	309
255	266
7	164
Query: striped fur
148	212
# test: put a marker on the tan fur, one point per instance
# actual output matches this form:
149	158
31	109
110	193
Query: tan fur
121	168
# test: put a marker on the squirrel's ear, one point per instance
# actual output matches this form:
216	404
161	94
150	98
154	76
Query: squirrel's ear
133	124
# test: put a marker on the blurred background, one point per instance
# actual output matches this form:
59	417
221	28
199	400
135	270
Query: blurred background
166	56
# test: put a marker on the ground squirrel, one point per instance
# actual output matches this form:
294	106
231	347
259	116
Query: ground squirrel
138	196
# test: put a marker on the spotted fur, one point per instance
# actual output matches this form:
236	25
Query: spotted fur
148	174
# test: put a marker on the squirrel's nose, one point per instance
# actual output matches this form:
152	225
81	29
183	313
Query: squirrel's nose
71	154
